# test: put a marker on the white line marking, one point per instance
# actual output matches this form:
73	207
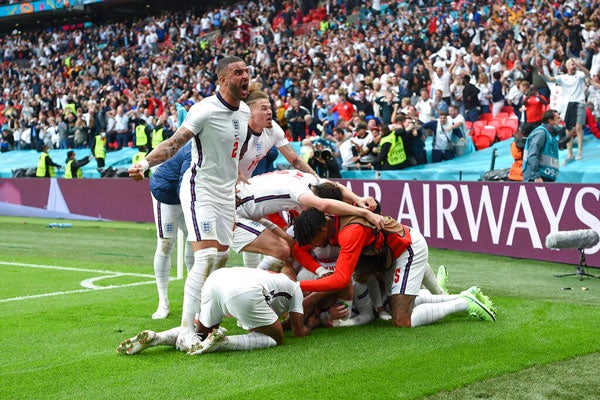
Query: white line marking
88	284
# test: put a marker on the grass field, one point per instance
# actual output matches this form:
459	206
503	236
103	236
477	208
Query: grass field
58	338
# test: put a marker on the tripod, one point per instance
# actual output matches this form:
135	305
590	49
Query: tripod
580	268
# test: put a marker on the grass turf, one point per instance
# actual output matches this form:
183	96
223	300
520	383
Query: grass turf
544	345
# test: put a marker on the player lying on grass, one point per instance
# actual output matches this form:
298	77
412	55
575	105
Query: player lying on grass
256	298
407	252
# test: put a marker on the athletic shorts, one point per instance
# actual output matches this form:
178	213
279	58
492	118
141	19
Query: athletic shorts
248	306
246	231
575	114
209	221
167	219
406	274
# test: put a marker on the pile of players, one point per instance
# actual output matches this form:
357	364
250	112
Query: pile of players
338	264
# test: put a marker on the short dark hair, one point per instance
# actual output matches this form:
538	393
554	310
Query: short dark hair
224	63
548	116
308	224
328	190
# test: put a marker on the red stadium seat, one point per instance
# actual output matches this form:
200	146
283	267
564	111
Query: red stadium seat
486	117
512	122
494	122
504	132
481	141
508	109
490	131
478	126
501	115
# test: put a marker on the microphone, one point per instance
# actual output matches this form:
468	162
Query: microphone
579	239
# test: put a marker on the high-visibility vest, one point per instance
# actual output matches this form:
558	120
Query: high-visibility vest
137	157
548	160
40	172
69	173
140	135
396	154
71	107
157	137
99	150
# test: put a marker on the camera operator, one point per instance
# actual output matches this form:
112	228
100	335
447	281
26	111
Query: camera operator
322	161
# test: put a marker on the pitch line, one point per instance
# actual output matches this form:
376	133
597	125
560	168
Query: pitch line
88	284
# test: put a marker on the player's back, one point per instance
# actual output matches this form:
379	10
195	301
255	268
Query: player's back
274	192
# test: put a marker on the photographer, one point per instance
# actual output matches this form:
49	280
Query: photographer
322	161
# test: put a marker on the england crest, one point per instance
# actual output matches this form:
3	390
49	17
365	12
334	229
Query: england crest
169	228
236	125
206	227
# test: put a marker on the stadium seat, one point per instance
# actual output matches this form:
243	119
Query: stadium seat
490	131
512	122
507	109
501	115
494	122
478	126
504	132
486	117
481	141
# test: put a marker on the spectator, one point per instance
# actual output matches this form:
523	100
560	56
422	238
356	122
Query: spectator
533	104
497	93
296	122
442	145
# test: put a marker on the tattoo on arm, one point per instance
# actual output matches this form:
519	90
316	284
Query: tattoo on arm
169	147
296	162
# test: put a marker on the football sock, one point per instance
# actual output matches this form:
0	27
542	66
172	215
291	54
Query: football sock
270	263
249	341
425	297
204	261
188	254
362	300
430	281
251	260
425	314
222	257
167	338
162	269
374	291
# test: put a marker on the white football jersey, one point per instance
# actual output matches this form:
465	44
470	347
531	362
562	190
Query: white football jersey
220	132
274	192
259	145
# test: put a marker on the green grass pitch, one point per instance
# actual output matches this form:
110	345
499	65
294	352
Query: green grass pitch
58	337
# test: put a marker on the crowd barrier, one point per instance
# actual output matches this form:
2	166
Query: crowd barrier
508	219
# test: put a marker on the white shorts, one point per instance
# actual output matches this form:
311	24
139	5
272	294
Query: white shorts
167	219
246	231
248	306
209	221
406	274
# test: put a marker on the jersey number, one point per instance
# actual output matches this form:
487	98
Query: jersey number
234	152
397	275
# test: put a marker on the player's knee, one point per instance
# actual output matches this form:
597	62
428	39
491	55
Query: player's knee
165	246
401	320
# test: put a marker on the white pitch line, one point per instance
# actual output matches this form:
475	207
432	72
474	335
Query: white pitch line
87	283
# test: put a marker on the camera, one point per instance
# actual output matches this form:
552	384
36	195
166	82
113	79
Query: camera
562	142
325	154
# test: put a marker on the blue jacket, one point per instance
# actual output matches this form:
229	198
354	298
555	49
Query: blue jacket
165	181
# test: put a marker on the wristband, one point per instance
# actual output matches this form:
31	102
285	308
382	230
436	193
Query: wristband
145	165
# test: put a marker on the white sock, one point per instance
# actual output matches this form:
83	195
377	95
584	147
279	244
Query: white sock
362	300
270	264
162	269
375	291
251	260
430	281
167	338
425	297
359	319
249	341
222	257
188	255
204	262
425	314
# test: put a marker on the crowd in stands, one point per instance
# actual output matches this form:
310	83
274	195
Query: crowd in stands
368	80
